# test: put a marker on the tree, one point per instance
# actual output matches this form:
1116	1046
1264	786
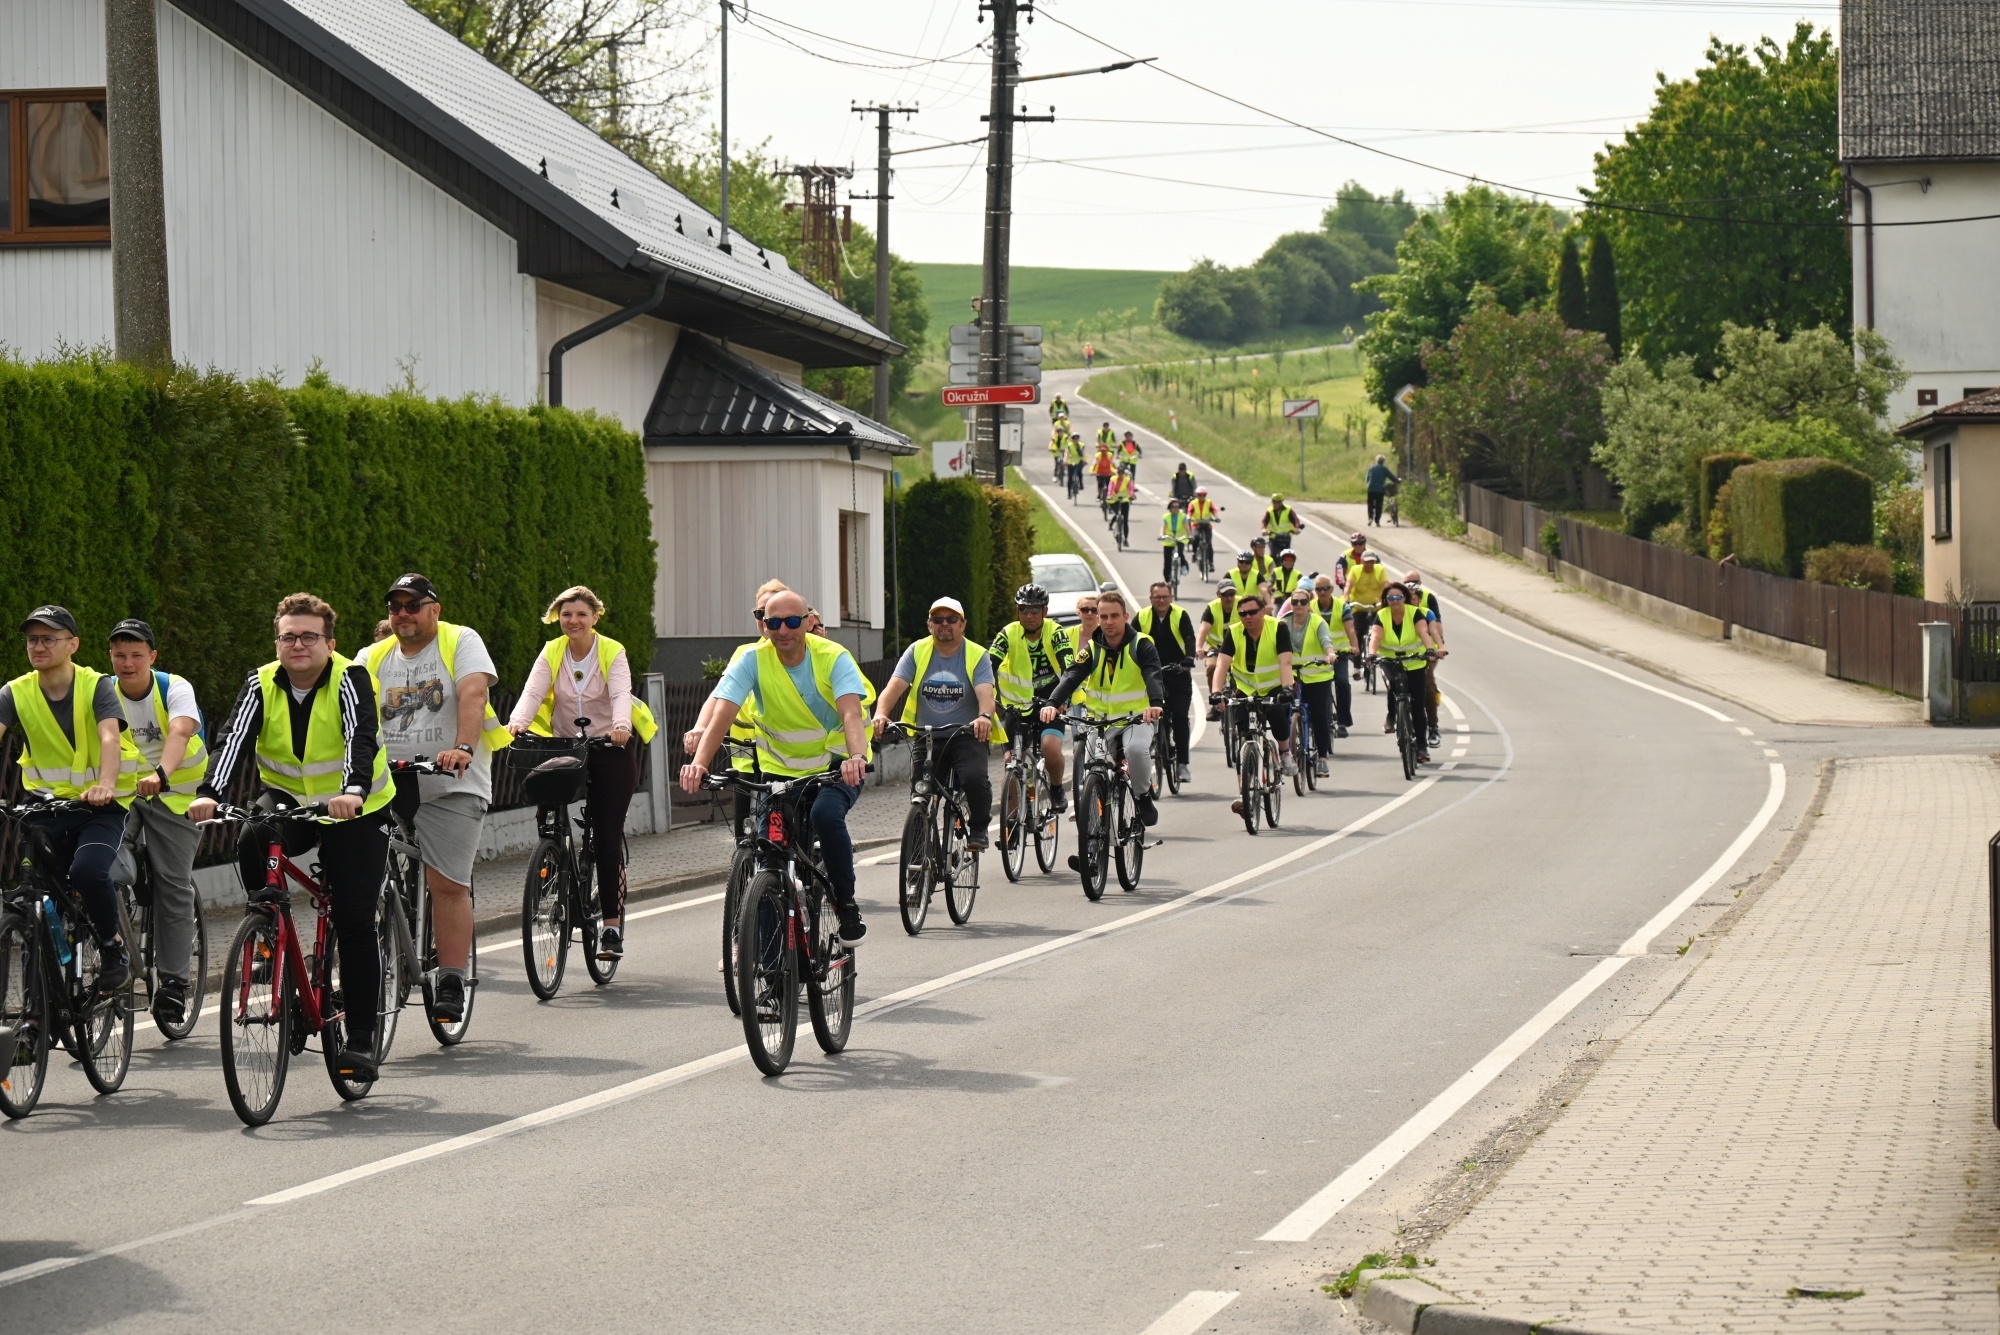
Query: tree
909	312
1604	316
1377	221
1572	303
1516	397
1481	237
1194	305
1724	204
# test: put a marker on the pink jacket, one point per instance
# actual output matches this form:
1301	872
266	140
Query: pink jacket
605	703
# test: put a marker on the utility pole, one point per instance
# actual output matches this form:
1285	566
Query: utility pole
994	276
725	127
881	111
142	319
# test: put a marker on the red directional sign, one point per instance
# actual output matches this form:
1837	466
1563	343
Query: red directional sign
972	396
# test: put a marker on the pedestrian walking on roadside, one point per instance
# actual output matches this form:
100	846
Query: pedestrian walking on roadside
1380	479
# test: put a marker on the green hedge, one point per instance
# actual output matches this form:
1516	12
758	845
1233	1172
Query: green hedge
1013	520
1778	511
1709	475
946	549
197	501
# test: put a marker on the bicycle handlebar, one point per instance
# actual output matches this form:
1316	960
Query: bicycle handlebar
416	765
229	815
729	778
54	806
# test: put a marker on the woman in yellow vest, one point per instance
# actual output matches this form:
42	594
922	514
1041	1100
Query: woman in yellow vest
584	675
313	721
74	748
1402	633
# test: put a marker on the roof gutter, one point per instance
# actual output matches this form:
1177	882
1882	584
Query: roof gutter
643	305
866	336
1867	249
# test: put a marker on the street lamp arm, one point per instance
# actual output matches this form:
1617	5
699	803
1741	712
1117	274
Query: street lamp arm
1099	69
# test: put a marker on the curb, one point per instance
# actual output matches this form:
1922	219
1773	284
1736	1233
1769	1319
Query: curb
1418	1307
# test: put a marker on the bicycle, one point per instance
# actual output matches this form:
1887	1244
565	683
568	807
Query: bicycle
1393	506
1371	669
48	976
403	919
274	995
559	901
1222	717
1260	784
1166	762
786	916
1204	552
1074	481
1405	711
1305	766
1108	827
136	895
934	835
1121	523
742	866
1026	810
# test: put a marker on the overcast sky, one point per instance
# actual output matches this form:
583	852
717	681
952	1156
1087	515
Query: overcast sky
1520	92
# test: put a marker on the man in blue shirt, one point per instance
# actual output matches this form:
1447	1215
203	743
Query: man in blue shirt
954	685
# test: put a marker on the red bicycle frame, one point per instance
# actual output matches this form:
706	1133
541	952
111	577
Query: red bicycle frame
277	867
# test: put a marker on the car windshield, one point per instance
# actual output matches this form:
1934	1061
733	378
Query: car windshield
1066	579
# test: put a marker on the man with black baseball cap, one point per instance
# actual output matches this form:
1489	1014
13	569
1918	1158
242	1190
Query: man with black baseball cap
60	709
164	723
434	677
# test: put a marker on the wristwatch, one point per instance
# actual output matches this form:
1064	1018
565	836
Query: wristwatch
161	773
461	746
354	790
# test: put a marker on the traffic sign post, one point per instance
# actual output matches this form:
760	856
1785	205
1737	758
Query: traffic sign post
1299	410
973	396
976	383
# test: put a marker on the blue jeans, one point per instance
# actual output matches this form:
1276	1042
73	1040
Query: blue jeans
836	848
99	831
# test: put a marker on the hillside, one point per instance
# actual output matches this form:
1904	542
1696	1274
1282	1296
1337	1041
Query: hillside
1043	296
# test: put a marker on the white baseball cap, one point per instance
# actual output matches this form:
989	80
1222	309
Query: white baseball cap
949	604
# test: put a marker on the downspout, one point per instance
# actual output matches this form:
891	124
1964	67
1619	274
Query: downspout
638	308
1867	249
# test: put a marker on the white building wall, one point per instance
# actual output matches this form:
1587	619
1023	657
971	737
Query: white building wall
614	373
1937	288
51	43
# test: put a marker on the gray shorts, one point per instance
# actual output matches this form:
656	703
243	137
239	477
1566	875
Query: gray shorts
448	831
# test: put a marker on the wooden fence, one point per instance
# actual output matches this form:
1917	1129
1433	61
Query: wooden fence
1869	637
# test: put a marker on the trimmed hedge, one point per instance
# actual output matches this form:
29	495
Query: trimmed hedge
1710	474
197	501
1013	522
946	550
1851	567
1779	511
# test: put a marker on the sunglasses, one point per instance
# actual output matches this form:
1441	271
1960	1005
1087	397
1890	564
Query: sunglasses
789	623
1392	597
1250	611
946	620
406	606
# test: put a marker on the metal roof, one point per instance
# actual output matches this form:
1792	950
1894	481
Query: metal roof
1919	80
534	150
710	396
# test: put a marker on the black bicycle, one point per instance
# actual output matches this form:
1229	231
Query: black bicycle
136	891
787	932
1166	761
1073	481
1121	523
1371	669
934	851
1204	552
742	866
1305	767
48	974
409	948
559	902
1259	780
1405	709
1108	827
1027	810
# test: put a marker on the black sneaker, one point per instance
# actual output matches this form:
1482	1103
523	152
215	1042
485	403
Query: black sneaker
357	1062
1059	800
114	966
980	842
1149	811
170	1001
852	929
1340	730
610	943
1075	863
448	999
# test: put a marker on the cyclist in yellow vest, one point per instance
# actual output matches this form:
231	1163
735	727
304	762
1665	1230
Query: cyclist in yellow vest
1426	602
1176	642
1263	568
1107	439
943	681
1365	583
1339	618
1256	660
1122	492
584	675
311	718
1174	535
1202	515
1079	636
74	747
743	732
1029	655
1285	579
1400	636
164	723
1315	644
433	679
1281	524
1120	669
808	692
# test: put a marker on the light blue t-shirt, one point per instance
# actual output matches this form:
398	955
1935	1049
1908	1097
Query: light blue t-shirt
741	679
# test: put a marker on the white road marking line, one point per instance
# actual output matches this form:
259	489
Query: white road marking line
1457	751
730	1056
1745	731
1465	727
880	858
1770	753
1451	706
1059	510
1186	1316
1309	1218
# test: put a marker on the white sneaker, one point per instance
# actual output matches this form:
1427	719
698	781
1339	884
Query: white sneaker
1285	764
1320	768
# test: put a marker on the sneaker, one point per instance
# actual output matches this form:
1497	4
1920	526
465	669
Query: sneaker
1284	764
1149	811
852	929
611	943
979	843
448	998
1434	739
357	1062
170	1001
1236	807
1183	776
1340	730
1075	863
1388	725
1059	800
114	966
1423	757
1319	768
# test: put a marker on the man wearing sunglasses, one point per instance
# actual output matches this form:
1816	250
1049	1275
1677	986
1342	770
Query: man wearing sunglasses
808	693
948	682
1256	658
743	732
433	678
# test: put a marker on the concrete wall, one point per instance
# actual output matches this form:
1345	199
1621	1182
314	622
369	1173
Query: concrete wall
1645	604
1965	566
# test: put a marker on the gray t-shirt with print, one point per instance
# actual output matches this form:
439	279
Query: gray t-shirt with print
420	712
945	695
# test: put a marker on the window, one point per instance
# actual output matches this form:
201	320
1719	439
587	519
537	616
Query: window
853	567
55	167
1941	491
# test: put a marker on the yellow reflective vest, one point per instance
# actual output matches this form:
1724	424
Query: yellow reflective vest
1403	642
608	650
1260	675
317	773
791	741
1115	684
491	729
64	767
179	794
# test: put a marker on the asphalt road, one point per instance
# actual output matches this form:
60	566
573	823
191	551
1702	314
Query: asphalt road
1079	1139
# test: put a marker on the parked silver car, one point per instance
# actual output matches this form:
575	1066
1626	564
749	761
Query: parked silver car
1067	578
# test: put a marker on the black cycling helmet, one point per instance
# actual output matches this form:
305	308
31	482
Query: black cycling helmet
1031	595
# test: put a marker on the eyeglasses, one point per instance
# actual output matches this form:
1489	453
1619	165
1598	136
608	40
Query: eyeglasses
789	623
303	641
757	614
406	606
946	620
45	641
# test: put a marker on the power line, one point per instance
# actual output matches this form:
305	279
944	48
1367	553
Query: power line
916	60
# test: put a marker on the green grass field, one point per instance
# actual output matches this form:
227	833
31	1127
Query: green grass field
1039	296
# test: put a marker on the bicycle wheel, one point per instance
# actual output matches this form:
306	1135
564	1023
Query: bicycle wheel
257	1005
1247	767
447	1035
334	1028
104	1028
963	887
24	1018
741	868
1093	837
545	921
197	976
767	975
1274	785
1166	769
1301	762
399	972
1013	824
601	971
405	871
1406	737
1130	849
830	993
915	881
1047	824
1308	762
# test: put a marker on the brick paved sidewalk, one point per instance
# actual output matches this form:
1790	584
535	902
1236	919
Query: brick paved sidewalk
1813	1107
1781	691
